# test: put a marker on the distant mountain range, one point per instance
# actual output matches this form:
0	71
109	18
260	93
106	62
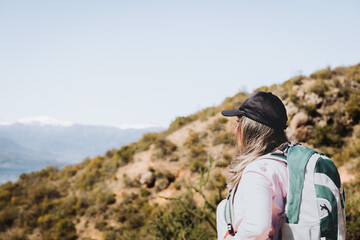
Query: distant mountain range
32	144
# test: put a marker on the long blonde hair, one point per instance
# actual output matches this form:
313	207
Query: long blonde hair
253	140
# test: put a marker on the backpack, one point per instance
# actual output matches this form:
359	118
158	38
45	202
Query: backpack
315	203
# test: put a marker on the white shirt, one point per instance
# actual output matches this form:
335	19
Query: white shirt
259	203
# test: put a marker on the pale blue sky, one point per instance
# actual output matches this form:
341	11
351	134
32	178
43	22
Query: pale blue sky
136	62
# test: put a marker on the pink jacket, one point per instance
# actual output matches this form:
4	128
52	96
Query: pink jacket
258	203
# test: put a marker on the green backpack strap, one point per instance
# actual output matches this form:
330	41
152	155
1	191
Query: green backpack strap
297	159
229	210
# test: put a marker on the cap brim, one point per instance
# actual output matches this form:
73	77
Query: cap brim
232	113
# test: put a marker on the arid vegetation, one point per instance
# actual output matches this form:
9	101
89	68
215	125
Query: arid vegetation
167	185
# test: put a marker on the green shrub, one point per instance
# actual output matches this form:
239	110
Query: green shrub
339	71
89	178
7	217
235	101
286	89
164	148
197	166
353	107
69	171
105	197
206	113
218	124
193	139
65	229
165	174
329	135
353	73
5	195
128	182
345	89
322	74
144	192
183	219
112	235
197	153
39	192
225	161
101	225
14	234
352	193
132	211
297	80
348	152
92	211
46	221
124	155
310	109
217	180
179	122
178	184
319	87
146	140
226	138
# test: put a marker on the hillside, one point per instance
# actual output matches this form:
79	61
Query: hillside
167	185
31	146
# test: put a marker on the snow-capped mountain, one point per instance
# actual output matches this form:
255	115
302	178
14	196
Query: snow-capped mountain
33	143
44	121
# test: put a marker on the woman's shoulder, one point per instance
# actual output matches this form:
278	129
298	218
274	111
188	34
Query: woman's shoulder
274	171
266	167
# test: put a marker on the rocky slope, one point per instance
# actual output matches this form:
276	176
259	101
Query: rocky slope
166	185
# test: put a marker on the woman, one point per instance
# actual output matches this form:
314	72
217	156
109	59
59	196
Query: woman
260	185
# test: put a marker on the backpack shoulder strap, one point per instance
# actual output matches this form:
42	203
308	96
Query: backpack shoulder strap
229	211
298	157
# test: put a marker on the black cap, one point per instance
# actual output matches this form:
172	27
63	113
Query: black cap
262	107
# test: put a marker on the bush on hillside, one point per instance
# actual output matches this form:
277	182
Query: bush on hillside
352	151
225	161
39	192
286	90
322	74
216	180
339	71
64	229
146	140
7	217
88	179
224	137
179	122
235	101
352	193
353	73
353	107
183	219
70	171
193	139
164	174
198	153
105	197
14	234
130	183
206	113
197	166
218	124
124	155
319	87
165	147
329	135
